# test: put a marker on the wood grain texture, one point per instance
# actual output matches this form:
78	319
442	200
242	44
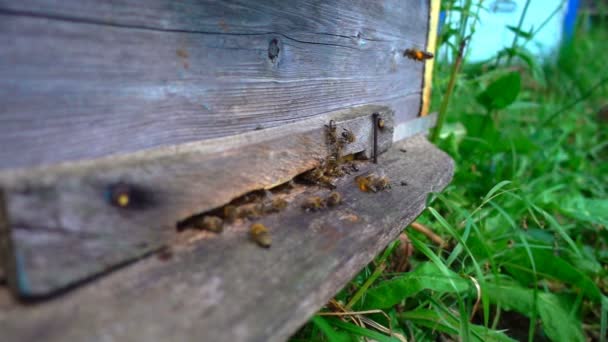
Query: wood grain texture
55	209
85	79
225	288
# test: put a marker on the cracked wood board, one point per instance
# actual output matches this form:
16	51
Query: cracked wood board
63	229
83	79
226	288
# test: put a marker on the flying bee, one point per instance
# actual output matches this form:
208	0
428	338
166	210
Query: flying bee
417	55
348	136
260	234
210	223
333	199
313	203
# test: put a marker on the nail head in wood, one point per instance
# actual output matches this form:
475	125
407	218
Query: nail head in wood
120	195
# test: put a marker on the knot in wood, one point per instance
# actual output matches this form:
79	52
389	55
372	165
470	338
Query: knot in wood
273	50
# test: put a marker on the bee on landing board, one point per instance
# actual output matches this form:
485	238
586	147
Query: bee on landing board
231	213
313	203
373	182
334	199
348	136
273	204
332	137
332	168
381	182
317	176
417	55
260	234
210	223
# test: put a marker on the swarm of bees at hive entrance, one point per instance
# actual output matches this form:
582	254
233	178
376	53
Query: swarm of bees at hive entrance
335	165
249	207
257	204
417	55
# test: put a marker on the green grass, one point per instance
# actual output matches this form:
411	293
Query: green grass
525	217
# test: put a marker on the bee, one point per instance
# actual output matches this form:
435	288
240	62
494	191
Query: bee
317	176
380	183
274	205
313	203
332	168
333	199
364	183
313	175
251	210
417	55
347	158
372	182
345	170
332	137
260	234
231	213
210	223
327	181
348	137
381	123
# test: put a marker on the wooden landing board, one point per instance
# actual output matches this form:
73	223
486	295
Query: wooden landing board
84	79
224	287
53	210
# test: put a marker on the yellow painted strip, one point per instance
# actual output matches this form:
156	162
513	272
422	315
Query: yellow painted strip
430	47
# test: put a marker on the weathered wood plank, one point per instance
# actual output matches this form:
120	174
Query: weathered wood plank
54	209
85	79
225	288
340	18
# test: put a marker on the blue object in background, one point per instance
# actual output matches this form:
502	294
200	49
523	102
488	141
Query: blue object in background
570	19
492	34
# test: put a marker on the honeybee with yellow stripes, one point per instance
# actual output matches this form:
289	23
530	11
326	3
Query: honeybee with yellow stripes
417	54
260	234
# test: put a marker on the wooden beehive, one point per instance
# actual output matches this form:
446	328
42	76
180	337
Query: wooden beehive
189	105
